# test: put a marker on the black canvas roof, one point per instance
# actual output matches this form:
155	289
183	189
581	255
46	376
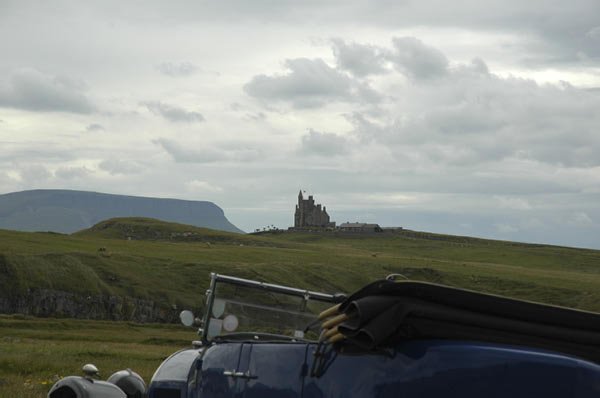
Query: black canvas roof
390	312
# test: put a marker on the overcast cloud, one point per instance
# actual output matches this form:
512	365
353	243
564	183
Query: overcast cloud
471	118
310	83
183	154
324	144
173	113
182	69
358	59
29	89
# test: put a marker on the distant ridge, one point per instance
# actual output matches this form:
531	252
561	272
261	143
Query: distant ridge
67	211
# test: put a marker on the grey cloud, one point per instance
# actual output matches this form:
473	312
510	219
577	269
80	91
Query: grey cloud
464	118
323	144
173	113
253	116
475	68
471	116
555	31
32	90
551	32
248	154
365	129
34	174
257	117
594	33
416	59
537	15
580	219
182	69
359	59
70	173
43	152
185	154
506	228
116	166
94	127
242	151
6	182
309	83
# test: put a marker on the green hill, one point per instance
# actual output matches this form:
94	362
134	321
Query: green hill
167	265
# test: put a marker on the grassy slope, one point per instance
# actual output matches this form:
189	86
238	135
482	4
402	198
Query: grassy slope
170	263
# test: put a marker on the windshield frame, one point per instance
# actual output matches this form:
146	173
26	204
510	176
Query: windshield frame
269	287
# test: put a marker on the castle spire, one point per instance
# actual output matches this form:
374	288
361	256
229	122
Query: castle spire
300	195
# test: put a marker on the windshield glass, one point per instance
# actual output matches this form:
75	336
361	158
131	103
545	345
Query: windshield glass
242	309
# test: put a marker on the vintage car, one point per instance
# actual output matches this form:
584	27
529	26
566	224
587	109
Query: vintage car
389	339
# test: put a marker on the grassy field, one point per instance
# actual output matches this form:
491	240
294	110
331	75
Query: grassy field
170	264
35	352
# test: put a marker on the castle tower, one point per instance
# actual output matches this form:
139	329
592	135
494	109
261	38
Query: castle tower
310	215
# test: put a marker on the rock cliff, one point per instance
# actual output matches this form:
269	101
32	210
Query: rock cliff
55	303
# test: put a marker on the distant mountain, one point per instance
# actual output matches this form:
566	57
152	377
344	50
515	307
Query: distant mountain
67	211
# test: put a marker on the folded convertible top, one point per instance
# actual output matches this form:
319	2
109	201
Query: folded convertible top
386	312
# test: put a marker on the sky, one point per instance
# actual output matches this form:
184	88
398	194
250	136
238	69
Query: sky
467	118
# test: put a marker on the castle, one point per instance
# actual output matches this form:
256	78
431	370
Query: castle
310	215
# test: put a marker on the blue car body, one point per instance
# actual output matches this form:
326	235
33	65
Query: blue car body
421	368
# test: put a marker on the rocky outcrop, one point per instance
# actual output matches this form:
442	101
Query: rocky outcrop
55	303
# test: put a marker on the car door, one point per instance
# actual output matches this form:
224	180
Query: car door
275	370
220	364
